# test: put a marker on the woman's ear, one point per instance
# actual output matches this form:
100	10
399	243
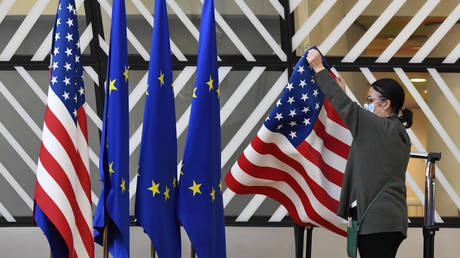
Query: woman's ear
387	106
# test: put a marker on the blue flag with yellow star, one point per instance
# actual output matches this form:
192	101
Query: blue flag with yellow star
113	207
199	204
156	181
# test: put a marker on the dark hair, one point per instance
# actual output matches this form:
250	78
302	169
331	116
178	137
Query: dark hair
391	90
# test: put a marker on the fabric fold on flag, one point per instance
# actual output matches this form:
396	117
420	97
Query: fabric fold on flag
156	181
113	207
63	208
199	203
298	156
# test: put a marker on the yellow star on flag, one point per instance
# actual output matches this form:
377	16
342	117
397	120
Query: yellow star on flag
220	186
161	78
174	182
213	194
209	83
112	86
123	185
154	188
126	74
181	166
166	193
194	93
218	92
111	171
147	91
195	188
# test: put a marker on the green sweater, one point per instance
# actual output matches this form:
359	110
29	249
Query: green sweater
379	151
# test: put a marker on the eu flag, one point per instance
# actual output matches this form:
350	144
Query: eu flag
156	181
113	207
200	208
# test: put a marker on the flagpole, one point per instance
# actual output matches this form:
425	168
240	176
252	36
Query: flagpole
105	245
192	251
152	250
308	244
298	238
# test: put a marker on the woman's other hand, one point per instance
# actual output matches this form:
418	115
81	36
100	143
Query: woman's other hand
315	60
341	82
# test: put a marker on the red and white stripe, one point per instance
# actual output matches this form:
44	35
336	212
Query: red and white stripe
306	180
63	189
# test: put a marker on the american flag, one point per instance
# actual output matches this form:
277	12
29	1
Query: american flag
62	189
298	157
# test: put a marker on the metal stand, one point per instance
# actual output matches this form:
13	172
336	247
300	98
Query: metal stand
298	236
308	244
429	227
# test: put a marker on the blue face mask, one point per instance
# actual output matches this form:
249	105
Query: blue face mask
369	107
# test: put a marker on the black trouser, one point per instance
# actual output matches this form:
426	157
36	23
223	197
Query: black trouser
379	245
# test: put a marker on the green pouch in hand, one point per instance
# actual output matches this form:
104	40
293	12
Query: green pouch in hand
352	237
353	225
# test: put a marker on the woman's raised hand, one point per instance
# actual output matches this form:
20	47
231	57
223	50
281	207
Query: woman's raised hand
315	60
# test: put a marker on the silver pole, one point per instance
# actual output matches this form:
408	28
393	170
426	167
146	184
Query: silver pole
429	227
429	194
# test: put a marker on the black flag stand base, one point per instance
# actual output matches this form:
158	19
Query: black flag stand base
299	236
428	241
